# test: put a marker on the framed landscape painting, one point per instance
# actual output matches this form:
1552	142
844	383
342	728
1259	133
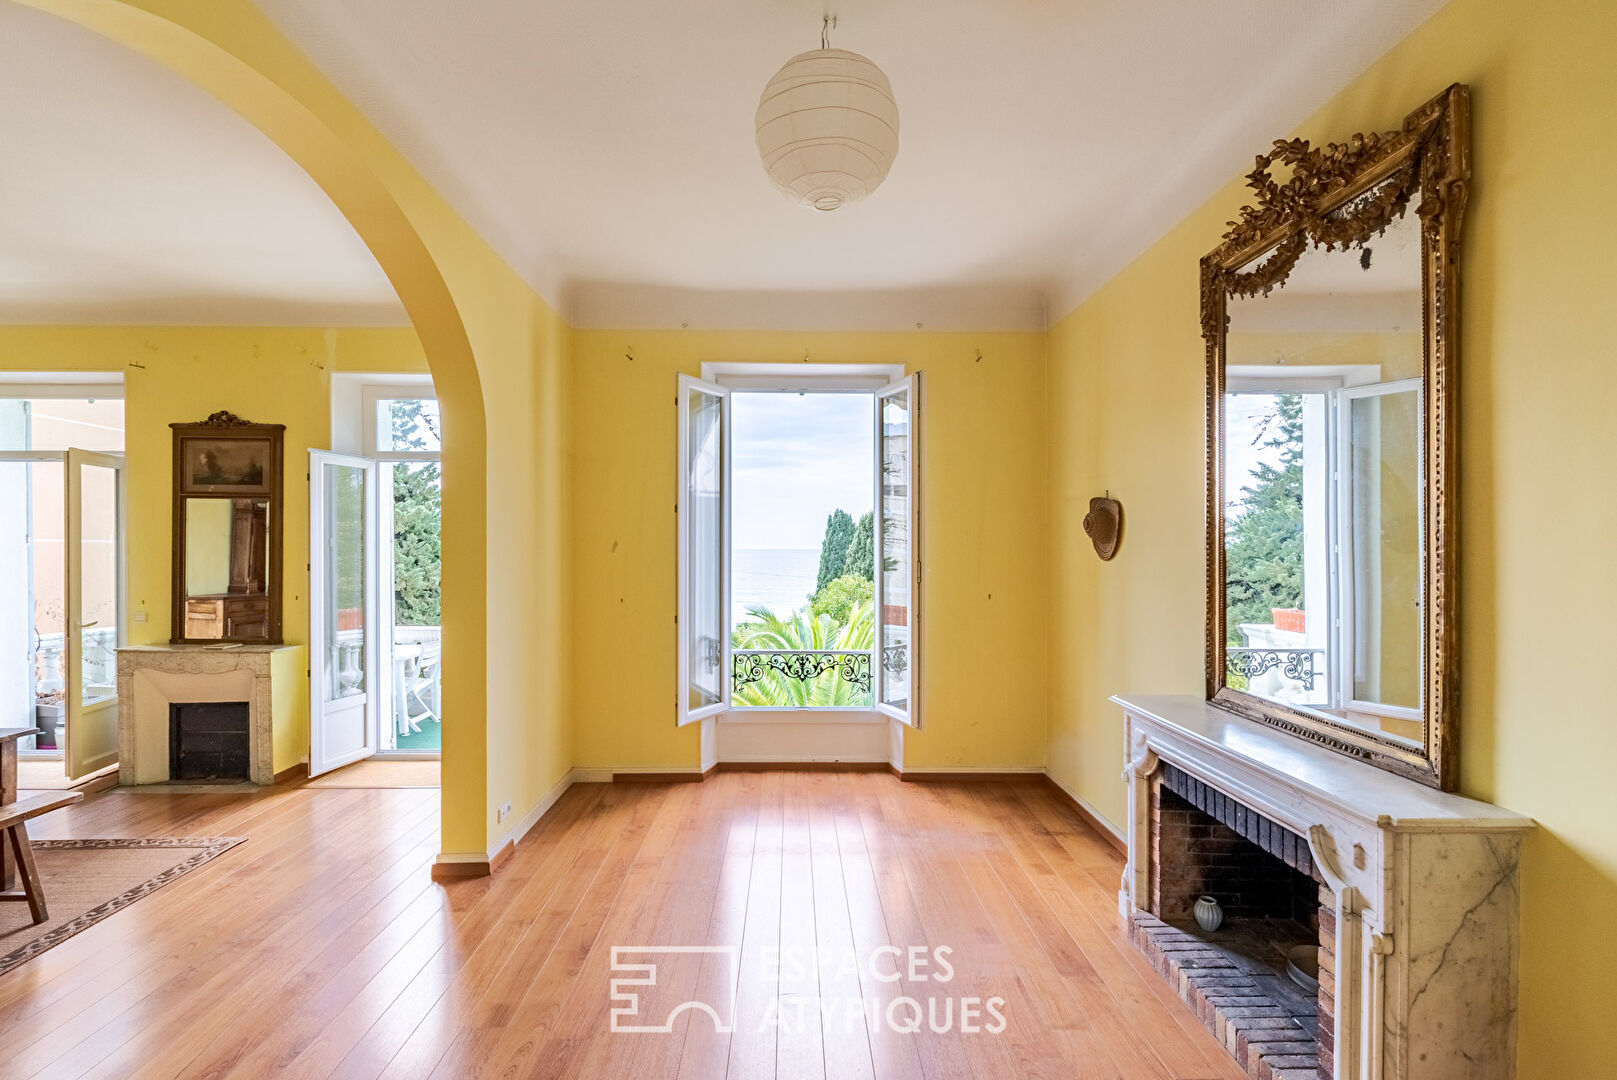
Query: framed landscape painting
226	465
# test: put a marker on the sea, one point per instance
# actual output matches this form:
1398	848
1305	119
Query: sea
781	579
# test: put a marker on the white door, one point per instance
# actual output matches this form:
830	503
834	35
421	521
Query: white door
93	500
345	705
898	557
703	511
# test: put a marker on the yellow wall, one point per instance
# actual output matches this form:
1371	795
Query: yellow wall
1397	355
1536	390
180	375
289	694
983	522
497	356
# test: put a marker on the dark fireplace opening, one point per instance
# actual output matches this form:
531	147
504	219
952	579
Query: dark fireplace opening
208	740
1248	979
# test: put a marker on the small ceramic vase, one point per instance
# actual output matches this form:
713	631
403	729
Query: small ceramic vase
1209	916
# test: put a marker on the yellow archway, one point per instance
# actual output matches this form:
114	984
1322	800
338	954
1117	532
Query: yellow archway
229	49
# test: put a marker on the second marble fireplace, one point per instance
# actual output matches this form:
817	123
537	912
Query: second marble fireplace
1410	897
154	678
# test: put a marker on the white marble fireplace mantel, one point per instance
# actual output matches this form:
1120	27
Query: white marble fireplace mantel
152	677
1426	884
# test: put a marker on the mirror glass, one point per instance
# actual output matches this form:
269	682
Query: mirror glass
1323	485
227	568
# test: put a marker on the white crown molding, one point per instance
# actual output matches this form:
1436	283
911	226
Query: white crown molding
609	306
201	311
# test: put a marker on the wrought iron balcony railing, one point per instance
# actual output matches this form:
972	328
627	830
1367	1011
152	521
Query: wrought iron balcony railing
804	678
1296	665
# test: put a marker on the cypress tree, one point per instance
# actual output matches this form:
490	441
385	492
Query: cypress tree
834	548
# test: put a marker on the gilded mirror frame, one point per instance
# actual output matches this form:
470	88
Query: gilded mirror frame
1337	197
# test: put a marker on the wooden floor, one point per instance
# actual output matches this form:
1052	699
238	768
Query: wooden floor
321	948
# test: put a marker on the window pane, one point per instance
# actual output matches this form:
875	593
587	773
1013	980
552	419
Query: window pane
417	637
33	605
705	499
1278	629
1386	481
344	602
896	550
408	424
98	595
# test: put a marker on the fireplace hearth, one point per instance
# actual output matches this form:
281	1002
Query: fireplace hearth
1274	901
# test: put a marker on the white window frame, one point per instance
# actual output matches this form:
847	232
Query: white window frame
76	386
1343	498
796	378
684	519
371	389
370	395
1341	385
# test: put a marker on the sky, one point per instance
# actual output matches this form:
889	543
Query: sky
797	457
1243	421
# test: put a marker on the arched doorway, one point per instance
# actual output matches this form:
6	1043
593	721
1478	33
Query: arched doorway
229	50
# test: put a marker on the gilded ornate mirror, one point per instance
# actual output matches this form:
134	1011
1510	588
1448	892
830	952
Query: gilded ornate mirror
1330	313
227	531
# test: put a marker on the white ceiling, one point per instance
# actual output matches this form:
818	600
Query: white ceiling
606	150
127	195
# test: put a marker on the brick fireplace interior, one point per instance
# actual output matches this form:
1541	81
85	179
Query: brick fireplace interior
1236	978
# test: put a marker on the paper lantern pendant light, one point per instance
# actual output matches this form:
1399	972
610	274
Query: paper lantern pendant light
828	127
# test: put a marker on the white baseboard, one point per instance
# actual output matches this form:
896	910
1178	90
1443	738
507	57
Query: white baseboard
514	834
964	771
603	776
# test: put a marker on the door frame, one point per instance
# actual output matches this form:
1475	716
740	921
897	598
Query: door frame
318	577
77	711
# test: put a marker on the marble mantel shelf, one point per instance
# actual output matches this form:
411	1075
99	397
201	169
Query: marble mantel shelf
1313	772
1426	885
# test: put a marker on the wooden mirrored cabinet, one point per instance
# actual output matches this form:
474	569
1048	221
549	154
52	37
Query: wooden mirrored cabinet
1330	313
227	531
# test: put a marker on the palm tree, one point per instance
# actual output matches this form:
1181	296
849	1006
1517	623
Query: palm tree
836	685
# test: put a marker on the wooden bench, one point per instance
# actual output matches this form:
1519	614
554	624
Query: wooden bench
13	824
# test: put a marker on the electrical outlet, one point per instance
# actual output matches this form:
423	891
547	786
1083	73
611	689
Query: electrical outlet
140	616
505	812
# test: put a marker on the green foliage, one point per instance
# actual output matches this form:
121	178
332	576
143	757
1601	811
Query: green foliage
834	548
805	630
1264	545
861	559
841	596
417	507
348	519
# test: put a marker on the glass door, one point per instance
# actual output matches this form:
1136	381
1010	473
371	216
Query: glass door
94	591
345	705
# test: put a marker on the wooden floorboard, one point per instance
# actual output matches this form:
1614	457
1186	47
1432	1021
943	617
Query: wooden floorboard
812	907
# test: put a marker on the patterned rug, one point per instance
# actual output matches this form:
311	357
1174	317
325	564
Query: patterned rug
87	880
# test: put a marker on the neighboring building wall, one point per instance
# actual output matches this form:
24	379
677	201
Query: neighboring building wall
1536	389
